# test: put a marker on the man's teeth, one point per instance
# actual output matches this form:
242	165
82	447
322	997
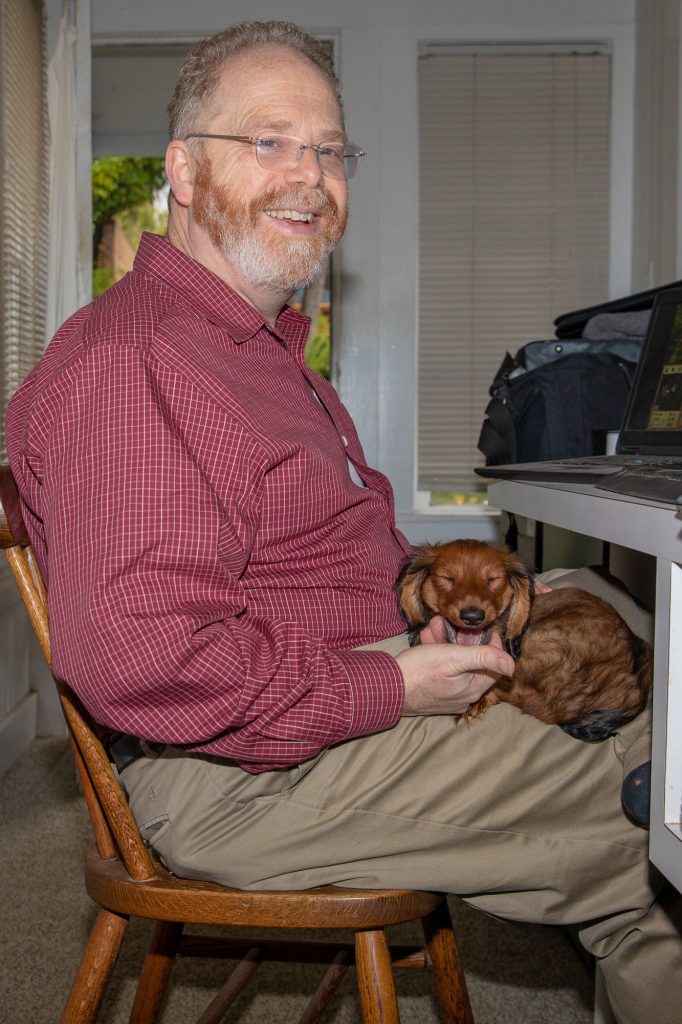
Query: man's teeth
291	215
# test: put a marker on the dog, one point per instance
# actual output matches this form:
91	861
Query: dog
578	665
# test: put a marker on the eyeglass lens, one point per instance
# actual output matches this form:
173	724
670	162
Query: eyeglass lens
336	160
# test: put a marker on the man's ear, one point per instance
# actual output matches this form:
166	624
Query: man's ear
180	171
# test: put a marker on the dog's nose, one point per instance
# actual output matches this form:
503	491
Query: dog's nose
472	616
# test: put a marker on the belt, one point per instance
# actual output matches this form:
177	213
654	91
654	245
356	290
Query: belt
125	749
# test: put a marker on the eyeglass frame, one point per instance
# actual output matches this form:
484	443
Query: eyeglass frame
254	140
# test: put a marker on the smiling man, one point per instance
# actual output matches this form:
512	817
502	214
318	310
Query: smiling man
266	230
221	566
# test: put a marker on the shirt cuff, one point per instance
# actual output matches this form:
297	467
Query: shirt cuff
377	690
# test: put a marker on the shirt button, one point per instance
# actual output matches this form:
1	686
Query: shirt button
344	439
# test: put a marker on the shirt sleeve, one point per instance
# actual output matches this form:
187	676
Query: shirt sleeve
152	496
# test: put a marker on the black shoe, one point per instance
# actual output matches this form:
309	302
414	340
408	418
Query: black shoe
636	793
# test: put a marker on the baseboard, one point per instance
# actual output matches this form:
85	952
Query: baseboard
17	730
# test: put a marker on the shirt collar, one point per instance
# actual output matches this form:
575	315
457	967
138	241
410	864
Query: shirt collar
213	297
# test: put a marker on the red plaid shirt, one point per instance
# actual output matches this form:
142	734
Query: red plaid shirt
210	562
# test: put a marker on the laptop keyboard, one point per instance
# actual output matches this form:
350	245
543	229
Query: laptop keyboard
661	481
672	462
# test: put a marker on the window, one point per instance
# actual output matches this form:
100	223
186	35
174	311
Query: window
23	193
514	225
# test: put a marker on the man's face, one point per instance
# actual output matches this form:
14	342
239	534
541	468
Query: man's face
245	210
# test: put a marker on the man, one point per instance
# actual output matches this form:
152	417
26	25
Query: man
217	552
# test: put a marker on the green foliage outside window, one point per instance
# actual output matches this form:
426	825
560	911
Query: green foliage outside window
459	497
124	190
121	184
318	349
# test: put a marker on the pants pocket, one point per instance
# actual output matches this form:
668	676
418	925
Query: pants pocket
153	830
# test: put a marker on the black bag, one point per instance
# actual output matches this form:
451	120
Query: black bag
558	399
572	325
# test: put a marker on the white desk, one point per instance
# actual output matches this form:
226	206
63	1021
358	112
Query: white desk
655	530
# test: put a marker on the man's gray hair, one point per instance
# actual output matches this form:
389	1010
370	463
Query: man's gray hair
203	65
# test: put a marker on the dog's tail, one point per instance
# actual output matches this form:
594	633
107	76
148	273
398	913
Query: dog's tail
595	727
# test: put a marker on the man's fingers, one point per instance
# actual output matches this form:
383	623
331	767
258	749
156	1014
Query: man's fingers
447	678
434	631
488	658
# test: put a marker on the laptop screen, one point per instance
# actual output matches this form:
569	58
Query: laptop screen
653	420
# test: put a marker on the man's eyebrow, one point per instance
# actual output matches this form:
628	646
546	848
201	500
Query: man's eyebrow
287	128
265	124
333	135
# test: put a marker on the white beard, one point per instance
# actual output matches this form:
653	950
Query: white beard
281	266
263	259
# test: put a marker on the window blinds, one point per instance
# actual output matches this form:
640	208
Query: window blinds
23	193
514	227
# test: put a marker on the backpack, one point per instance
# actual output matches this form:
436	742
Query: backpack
558	399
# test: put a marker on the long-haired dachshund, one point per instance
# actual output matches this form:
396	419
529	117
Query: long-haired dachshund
578	665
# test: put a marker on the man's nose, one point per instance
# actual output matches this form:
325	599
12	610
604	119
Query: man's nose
307	167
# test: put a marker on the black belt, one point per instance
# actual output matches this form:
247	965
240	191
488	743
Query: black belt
125	749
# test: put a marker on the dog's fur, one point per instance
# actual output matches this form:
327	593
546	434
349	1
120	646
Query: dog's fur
578	665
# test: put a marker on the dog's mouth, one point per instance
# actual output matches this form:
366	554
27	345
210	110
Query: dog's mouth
466	635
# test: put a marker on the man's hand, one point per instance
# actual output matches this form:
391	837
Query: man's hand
445	679
433	632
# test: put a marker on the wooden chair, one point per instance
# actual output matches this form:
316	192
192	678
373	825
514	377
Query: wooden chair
125	880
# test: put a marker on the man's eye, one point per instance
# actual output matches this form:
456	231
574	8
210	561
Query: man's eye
271	143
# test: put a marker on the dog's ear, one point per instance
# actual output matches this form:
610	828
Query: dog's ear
522	584
414	574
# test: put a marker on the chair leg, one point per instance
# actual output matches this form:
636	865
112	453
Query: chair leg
156	971
447	968
376	984
94	971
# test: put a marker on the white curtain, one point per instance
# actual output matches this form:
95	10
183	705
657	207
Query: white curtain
514	225
63	287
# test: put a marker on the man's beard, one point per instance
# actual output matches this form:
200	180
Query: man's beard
276	263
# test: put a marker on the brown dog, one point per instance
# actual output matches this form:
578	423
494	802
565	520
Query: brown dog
578	665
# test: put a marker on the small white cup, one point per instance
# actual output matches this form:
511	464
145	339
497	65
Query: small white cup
611	441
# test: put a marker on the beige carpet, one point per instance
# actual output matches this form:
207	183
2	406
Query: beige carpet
517	974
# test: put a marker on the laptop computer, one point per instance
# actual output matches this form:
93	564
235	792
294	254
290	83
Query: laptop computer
648	458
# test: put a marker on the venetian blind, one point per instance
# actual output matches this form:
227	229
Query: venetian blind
514	227
23	192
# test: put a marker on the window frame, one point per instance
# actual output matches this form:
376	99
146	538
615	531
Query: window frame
462	241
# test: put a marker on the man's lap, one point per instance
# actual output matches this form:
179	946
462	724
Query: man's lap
506	806
521	817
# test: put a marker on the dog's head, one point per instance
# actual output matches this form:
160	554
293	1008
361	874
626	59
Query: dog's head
477	588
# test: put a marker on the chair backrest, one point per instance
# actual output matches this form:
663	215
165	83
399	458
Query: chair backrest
116	833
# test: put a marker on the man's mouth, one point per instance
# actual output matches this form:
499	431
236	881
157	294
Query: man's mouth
465	637
306	216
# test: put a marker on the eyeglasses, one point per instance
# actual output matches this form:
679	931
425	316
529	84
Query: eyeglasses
275	152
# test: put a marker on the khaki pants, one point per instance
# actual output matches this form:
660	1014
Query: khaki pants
518	818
